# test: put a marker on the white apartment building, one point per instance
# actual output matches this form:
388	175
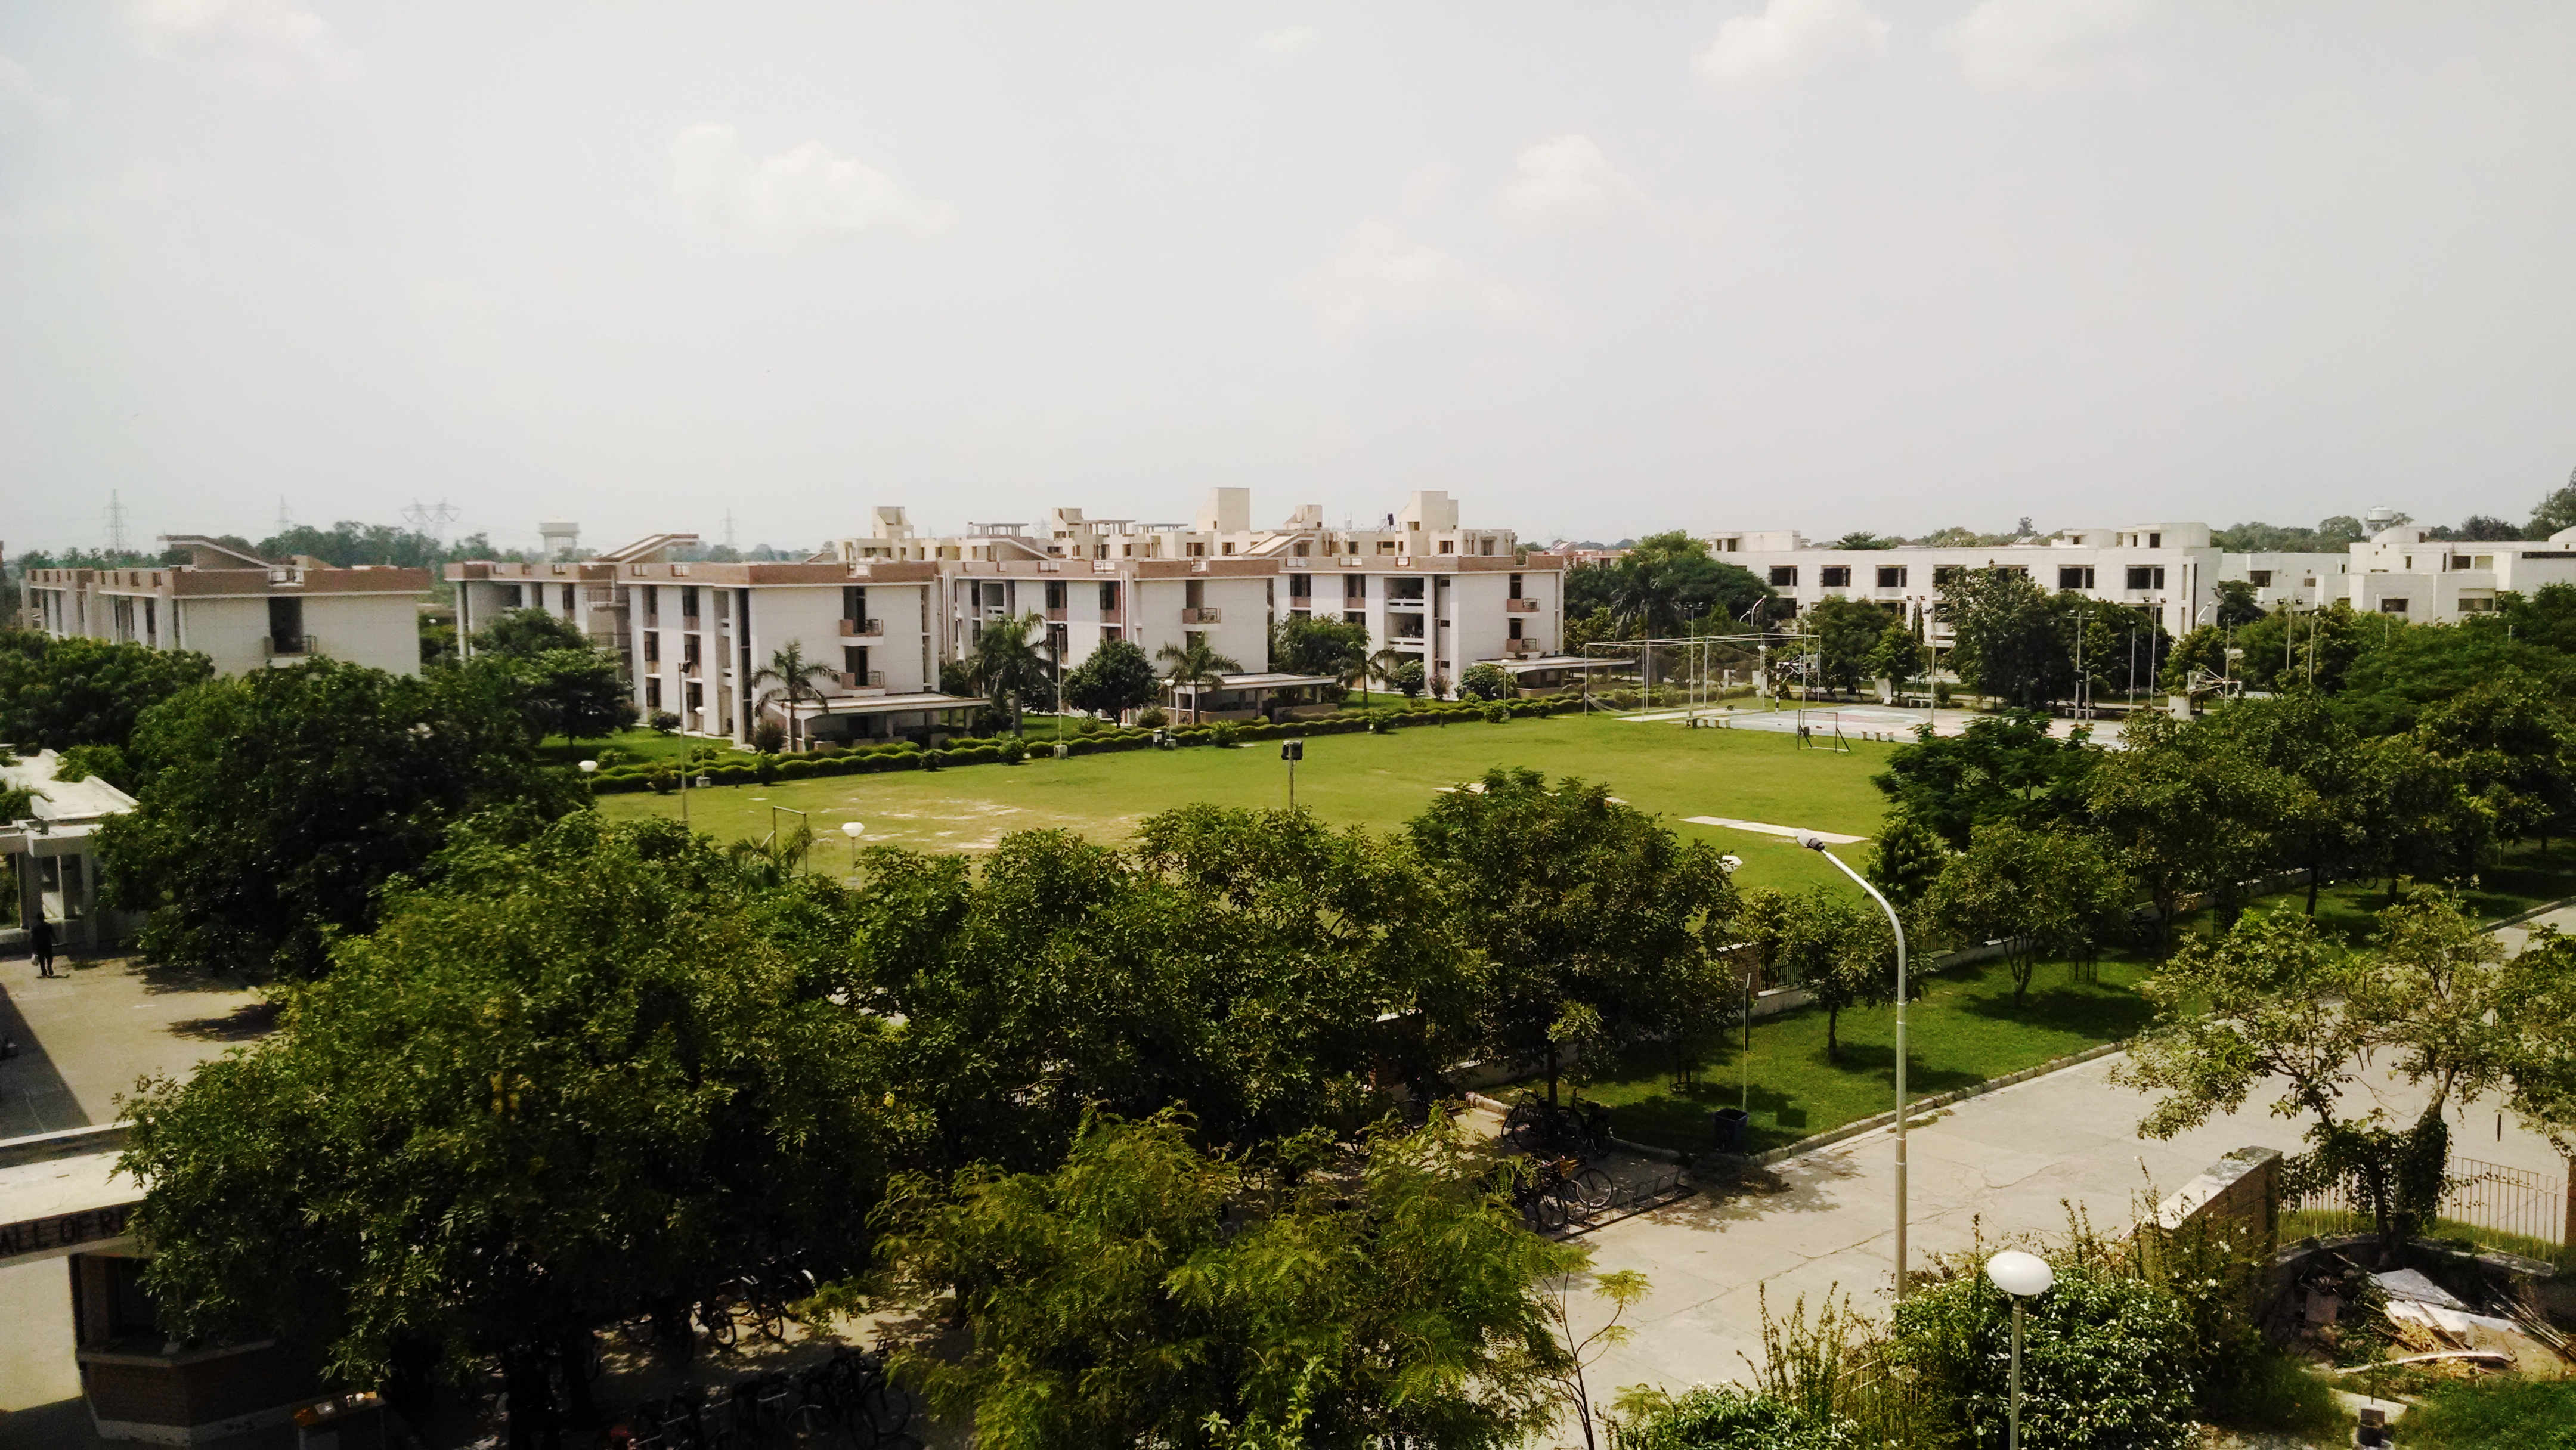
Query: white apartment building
1416	579
2400	571
240	610
586	595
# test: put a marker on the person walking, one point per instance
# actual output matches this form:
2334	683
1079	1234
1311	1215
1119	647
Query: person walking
41	936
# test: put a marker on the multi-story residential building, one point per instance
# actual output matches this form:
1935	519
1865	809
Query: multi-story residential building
2401	571
1421	584
240	610
584	594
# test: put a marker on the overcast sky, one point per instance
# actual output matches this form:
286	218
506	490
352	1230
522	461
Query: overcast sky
1596	270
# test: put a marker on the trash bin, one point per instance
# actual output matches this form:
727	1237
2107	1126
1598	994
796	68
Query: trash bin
1726	1126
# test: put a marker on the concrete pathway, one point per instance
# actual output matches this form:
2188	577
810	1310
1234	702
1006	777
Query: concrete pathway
2010	1162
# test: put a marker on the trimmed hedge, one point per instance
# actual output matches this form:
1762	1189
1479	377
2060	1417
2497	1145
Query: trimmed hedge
978	750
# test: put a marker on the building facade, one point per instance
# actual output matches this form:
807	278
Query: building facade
238	609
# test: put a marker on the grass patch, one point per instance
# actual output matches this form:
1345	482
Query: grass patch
638	745
1377	781
2497	1414
2278	1395
1964	1030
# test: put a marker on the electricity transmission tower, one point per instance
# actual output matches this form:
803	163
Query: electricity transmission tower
432	520
115	523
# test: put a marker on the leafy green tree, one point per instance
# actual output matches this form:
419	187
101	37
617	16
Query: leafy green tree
1590	587
2547	617
2402	671
58	693
524	634
2041	893
1844	633
2001	768
1115	678
2237	604
2415	814
2555	512
2186	809
1863	539
1666	581
1838	949
1898	655
1316	645
277	803
1005	666
1195	665
2536	1022
105	762
1406	678
574	693
1146	1292
1584	916
2514	747
788	679
1489	681
2005	638
574	1080
1906	860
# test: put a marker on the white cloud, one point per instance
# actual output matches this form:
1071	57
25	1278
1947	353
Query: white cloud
1565	177
22	99
1288	40
268	38
773	203
2039	44
1791	39
1379	275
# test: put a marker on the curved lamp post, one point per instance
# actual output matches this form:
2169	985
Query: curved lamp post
587	767
2021	1276
853	830
1816	844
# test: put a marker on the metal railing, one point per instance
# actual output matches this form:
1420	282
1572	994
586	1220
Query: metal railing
288	645
2482	1198
872	680
862	628
1204	614
1520	606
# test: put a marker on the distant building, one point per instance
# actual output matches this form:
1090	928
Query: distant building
53	854
240	610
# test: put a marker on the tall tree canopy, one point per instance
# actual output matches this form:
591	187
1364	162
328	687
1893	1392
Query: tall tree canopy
575	1079
277	802
1669	582
1590	923
2001	768
58	693
1114	678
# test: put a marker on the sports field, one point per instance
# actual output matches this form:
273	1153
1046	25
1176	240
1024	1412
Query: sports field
1378	781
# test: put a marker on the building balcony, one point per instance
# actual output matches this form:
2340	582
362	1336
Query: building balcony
1055	614
862	628
854	680
688	621
1204	614
1520	606
287	646
1521	647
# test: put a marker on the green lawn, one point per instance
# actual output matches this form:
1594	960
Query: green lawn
638	745
1962	1031
1379	781
2496	1414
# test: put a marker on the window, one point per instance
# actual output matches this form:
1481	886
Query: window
854	602
854	659
1834	576
516	596
2477	606
1353	616
1891	576
1447	547
689	603
2146	576
1516	587
652	647
567	599
1302	547
2392	606
286	624
1946	576
652	605
2259	578
1111	631
1301	587
653	692
689	649
1229	548
1354	587
2074	576
1109	598
1784	576
1055	594
1198	551
1484	546
1515	628
2155	541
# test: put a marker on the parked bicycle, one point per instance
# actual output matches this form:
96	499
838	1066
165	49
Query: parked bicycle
1558	1191
1579	1128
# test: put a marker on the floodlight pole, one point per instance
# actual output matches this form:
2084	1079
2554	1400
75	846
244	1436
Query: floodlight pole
1817	845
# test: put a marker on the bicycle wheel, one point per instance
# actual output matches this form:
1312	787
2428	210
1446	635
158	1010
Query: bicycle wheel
718	1322
1547	1213
812	1424
886	1408
1595	1188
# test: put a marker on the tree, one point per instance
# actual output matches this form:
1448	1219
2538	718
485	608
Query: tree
1115	679
1004	666
1195	666
1907	859
1146	1292
2237	604
1898	656
2401	671
1585	916
278	802
58	693
2320	825
2043	894
1845	632
1863	539
2537	1027
2271	999
788	678
1841	952
1668	580
1406	678
524	634
2184	809
1623	1289
574	693
574	1080
2006	640
2515	750
2554	513
1489	681
1316	645
2002	767
2414	814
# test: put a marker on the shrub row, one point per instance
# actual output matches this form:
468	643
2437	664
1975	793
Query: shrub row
973	750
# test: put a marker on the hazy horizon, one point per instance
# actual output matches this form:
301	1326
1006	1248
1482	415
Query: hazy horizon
1791	264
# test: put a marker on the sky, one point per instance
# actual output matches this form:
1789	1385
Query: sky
1594	269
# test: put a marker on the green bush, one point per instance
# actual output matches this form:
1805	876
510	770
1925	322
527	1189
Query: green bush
1014	751
796	768
1225	735
1152	716
1728	1418
1498	713
2107	1360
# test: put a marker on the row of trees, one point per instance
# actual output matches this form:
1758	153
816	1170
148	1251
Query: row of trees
571	1072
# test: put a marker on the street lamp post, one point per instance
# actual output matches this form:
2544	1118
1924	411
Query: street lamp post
1816	844
2021	1276
853	830
587	767
1292	751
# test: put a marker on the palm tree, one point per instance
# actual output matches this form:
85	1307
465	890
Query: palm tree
1005	668
1353	666
1196	666
1382	664
790	677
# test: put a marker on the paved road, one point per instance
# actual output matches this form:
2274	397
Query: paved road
2009	1162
